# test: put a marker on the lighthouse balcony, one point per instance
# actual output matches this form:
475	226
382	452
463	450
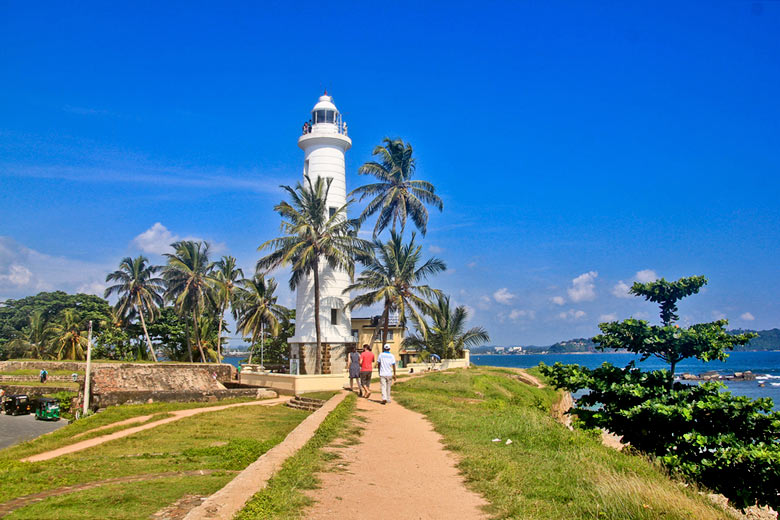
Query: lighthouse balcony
333	127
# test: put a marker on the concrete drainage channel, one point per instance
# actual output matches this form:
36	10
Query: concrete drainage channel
233	497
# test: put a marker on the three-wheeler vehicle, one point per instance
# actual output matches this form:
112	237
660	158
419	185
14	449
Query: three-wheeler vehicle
47	409
17	404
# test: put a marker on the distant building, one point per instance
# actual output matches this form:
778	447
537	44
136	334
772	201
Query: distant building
368	331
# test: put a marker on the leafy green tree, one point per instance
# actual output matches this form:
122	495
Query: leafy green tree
392	277
226	276
446	335
171	332
396	196
277	350
731	444
188	276
669	342
312	239
69	335
258	310
15	314
34	339
139	292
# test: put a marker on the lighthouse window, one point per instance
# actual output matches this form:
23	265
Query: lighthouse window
331	212
319	116
329	115
334	316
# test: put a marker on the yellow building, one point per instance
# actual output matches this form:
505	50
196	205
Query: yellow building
368	331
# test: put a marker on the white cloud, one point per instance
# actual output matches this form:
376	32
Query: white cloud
18	275
621	290
158	239
469	311
582	287
641	315
24	271
517	314
572	314
717	315
747	316
503	296
471	265
484	302
558	300
96	288
646	275
435	249
608	317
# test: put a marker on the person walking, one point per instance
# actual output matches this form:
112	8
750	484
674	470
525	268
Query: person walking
44	375
354	370
386	364
366	367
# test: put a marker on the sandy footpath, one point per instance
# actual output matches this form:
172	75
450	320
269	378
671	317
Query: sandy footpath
399	470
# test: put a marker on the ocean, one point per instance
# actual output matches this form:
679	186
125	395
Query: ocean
766	366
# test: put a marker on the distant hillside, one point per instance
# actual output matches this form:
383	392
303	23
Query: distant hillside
766	340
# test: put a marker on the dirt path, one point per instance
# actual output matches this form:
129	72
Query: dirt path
399	469
178	414
18	503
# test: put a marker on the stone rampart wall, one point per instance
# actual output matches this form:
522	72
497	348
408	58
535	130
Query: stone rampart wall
120	377
139	397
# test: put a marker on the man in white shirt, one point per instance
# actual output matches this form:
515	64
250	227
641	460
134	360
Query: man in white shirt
385	361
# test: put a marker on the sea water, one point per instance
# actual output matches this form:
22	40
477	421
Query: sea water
765	365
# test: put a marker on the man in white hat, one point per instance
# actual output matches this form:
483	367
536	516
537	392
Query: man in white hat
386	364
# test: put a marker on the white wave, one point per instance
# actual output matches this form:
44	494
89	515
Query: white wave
775	384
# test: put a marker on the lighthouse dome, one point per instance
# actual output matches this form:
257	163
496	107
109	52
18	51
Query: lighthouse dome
325	103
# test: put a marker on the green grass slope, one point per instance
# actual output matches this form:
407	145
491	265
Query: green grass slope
548	471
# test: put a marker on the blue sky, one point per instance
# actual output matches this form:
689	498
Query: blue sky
578	146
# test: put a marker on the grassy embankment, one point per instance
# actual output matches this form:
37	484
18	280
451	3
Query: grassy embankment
548	471
222	442
284	498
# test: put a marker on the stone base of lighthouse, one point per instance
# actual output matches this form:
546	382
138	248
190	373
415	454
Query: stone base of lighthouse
333	355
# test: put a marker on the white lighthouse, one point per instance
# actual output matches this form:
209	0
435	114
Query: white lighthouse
324	142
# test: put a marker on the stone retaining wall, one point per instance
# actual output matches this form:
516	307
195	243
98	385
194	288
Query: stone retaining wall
34	390
140	397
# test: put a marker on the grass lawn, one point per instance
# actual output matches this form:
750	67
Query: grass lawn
548	471
34	372
284	497
112	414
222	440
54	384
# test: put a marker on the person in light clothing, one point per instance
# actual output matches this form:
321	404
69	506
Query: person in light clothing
386	364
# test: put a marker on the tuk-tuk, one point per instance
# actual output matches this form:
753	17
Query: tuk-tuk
47	409
16	404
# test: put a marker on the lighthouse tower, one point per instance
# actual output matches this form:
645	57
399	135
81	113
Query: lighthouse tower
324	142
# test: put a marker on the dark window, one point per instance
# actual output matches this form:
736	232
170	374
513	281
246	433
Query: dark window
319	116
334	316
389	335
329	116
355	333
331	211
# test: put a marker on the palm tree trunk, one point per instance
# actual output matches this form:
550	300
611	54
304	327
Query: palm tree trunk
252	348
219	334
189	342
386	325
146	333
318	369
197	336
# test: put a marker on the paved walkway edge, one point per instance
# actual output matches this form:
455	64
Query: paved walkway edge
233	497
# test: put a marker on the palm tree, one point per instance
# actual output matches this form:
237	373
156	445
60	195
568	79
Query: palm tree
188	275
396	196
311	238
68	335
258	309
392	276
34	337
139	291
226	275
445	336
